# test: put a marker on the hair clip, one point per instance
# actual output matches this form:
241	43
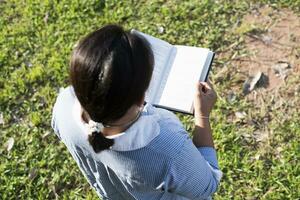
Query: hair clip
95	126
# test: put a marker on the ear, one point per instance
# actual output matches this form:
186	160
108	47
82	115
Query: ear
141	101
85	116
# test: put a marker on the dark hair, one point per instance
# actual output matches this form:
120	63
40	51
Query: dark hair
110	70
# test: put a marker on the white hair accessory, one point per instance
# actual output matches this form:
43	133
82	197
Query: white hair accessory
95	126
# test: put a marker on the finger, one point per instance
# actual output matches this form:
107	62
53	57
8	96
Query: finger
199	87
211	87
205	89
206	86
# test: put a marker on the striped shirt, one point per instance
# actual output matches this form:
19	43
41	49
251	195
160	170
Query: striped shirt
153	159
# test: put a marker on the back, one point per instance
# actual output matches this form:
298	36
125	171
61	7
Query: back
146	161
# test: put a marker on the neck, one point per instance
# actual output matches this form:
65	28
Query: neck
121	124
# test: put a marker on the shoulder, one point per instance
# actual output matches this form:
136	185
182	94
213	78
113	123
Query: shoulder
64	104
172	134
167	119
65	95
64	119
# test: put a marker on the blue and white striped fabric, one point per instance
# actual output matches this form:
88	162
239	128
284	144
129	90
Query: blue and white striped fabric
153	159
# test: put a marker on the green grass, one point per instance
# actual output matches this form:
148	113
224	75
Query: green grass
36	39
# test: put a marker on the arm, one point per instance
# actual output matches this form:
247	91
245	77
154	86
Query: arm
204	101
190	175
202	136
195	172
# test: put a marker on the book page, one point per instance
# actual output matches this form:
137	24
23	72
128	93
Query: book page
165	75
161	51
186	70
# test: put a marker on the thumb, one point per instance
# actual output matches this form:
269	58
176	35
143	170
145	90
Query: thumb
205	87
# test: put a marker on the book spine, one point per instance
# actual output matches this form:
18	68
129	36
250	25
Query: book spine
209	67
174	109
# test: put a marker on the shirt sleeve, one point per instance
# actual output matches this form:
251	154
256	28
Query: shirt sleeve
194	173
56	107
54	123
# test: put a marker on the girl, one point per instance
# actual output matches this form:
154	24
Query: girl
128	149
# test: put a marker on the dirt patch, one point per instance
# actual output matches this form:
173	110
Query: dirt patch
272	45
268	45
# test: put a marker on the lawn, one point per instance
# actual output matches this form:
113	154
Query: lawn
256	134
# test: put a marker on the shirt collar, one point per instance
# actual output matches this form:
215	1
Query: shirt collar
137	136
141	133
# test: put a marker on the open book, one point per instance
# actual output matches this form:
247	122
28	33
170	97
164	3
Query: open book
176	71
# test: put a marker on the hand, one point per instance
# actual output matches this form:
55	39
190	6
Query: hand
204	100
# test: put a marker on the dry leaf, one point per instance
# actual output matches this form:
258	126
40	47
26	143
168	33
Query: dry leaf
256	157
1	119
46	17
240	115
282	69
160	29
46	134
260	136
231	97
267	39
259	80
28	64
32	173
9	144
255	80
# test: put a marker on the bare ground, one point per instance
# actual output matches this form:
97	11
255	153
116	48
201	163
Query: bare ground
270	45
